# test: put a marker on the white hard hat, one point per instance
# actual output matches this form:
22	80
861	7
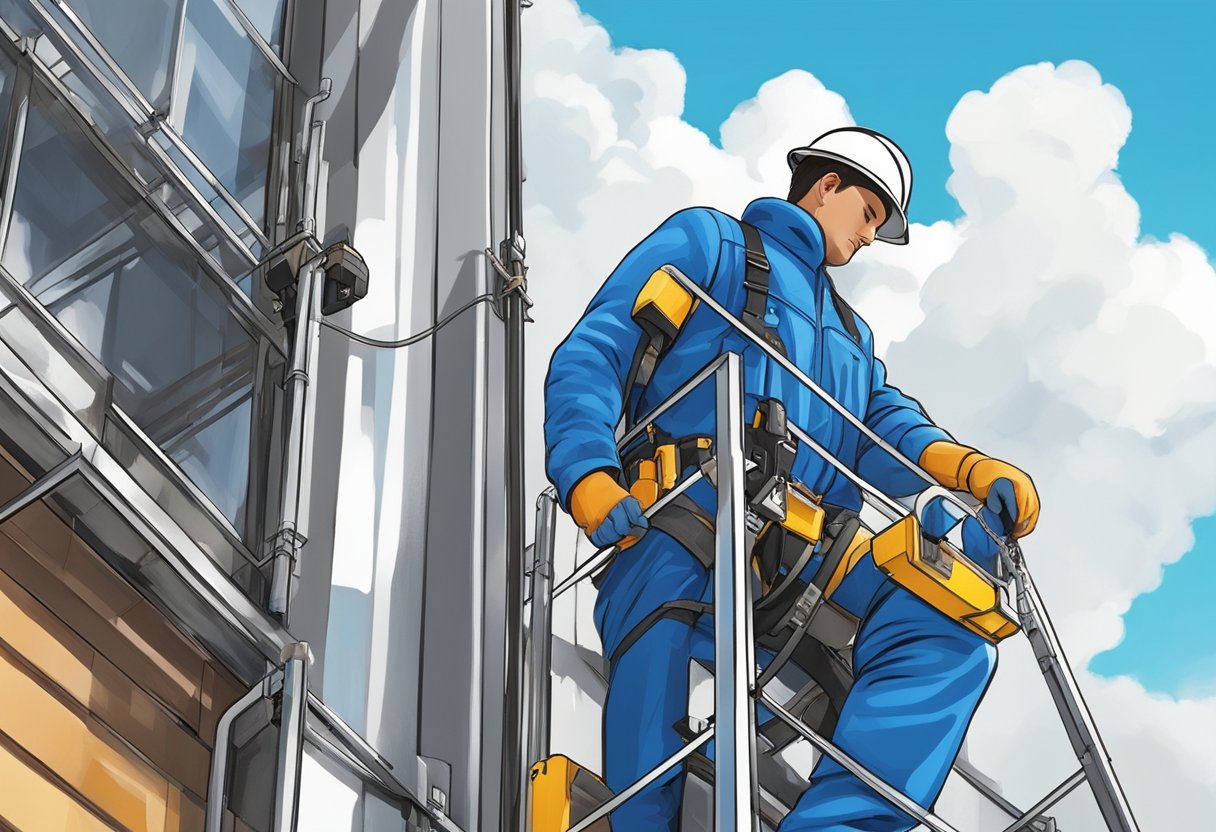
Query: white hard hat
876	157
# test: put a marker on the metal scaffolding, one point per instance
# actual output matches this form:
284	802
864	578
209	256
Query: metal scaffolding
736	787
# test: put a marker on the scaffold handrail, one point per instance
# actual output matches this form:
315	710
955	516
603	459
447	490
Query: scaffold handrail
735	763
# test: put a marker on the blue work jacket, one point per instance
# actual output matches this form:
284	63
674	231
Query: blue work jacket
584	394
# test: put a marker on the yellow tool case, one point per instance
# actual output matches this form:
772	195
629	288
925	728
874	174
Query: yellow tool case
563	793
943	577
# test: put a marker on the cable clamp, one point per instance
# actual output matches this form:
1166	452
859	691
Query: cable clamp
513	282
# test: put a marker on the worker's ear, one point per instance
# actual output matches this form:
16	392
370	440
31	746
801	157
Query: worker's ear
829	182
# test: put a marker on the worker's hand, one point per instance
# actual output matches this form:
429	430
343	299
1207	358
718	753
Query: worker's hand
977	545
606	512
1007	492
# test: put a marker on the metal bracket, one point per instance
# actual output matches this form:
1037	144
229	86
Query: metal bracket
153	123
937	555
513	272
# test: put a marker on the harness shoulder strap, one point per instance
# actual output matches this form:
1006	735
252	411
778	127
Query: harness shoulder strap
755	284
755	278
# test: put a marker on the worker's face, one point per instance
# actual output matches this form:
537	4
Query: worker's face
850	217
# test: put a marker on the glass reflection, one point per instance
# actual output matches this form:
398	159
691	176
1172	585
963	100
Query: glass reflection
138	36
229	101
106	266
8	74
267	18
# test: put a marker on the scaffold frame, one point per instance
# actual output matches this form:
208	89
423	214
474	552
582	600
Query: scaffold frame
736	693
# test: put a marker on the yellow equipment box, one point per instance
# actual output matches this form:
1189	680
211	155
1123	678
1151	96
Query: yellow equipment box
563	793
944	578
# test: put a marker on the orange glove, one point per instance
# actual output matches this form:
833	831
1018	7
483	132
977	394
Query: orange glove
958	467
605	512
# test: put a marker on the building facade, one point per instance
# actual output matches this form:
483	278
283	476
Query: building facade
159	160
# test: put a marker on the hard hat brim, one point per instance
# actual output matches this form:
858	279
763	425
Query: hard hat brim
895	229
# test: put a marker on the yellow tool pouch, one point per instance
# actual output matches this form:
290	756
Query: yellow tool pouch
944	578
660	310
788	542
563	793
650	477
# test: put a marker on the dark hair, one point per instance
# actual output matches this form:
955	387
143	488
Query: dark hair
813	168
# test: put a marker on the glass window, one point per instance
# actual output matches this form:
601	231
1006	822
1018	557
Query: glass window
60	207
138	36
228	101
267	17
19	19
7	76
106	266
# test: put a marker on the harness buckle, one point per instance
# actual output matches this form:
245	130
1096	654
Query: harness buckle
805	606
757	259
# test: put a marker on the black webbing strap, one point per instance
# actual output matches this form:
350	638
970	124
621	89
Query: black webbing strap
755	278
683	519
682	610
827	670
755	284
680	520
771	617
778	593
850	524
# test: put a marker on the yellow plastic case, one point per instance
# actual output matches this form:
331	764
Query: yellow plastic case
664	304
945	579
563	793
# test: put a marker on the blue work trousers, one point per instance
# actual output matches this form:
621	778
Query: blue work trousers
918	680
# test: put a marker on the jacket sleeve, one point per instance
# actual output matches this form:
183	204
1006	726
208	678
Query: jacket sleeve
584	391
903	424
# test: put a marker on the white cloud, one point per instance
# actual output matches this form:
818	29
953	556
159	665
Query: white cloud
1039	327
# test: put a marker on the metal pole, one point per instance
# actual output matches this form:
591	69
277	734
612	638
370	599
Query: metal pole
793	369
515	313
297	457
602	556
41	487
884	789
311	141
217	785
289	538
734	712
292	712
540	625
1078	723
1050	799
645	780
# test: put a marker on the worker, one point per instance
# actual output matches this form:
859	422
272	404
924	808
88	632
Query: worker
918	675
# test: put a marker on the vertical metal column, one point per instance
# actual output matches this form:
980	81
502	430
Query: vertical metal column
540	624
515	313
734	712
292	713
289	538
217	786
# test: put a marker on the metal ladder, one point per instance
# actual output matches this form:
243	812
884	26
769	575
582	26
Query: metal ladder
735	691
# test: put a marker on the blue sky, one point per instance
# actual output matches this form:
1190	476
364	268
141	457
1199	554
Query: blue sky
903	66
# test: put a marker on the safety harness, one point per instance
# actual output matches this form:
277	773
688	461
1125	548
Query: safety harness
786	524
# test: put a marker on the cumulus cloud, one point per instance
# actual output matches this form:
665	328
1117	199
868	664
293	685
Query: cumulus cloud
1040	327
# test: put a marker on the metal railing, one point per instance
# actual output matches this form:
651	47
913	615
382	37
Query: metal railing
736	692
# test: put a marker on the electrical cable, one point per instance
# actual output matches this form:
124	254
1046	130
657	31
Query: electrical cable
416	337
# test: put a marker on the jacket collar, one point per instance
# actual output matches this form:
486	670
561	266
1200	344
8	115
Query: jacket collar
789	225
